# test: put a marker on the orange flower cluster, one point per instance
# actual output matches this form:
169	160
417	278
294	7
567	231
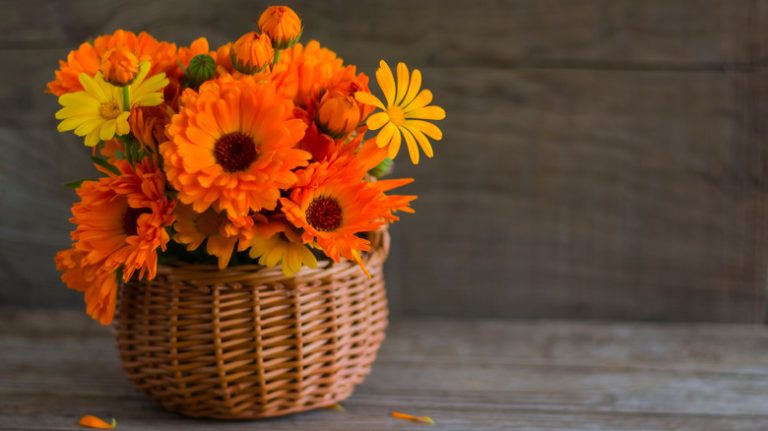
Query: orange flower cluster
253	152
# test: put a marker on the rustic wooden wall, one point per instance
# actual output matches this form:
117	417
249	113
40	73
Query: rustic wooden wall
603	158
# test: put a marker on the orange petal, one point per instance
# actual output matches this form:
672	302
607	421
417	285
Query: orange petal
421	419
90	421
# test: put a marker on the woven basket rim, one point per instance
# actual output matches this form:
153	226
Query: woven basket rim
195	273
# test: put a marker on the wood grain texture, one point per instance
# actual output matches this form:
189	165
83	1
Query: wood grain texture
467	375
603	159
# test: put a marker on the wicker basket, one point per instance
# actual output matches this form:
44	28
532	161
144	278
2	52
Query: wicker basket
247	342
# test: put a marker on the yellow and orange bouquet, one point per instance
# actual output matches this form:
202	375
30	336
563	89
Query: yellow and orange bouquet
254	152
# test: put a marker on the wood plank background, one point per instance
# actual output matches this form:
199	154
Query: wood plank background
603	159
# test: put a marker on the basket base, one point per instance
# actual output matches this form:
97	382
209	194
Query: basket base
253	416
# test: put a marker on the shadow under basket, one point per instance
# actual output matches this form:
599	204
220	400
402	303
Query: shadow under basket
248	342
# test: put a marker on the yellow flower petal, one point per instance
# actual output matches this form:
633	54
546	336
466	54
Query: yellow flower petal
87	126
307	258
394	145
385	136
108	130
87	109
427	113
368	99
291	261
273	256
123	127
92	87
92	139
377	120
419	101
428	129
413	87
386	82
222	248
410	143
402	82
70	124
426	147
149	92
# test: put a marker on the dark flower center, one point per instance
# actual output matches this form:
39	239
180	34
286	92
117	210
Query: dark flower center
324	214
235	152
131	219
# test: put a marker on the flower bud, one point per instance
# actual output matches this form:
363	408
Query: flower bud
201	68
252	53
148	124
338	114
382	169
119	66
282	25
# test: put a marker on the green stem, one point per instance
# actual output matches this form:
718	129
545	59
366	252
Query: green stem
126	98
277	56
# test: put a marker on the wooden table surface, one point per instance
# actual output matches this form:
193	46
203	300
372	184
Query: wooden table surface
467	375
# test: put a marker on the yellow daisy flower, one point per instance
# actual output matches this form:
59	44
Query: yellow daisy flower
405	113
147	92
99	112
278	243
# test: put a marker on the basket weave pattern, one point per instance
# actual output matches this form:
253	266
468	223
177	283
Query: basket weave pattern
248	342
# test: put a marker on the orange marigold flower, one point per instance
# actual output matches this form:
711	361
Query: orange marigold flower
348	82
232	145
87	58
317	143
282	25
251	53
332	203
98	284
121	219
303	72
119	66
338	114
148	124
326	133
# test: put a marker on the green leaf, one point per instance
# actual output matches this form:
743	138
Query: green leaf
104	164
78	183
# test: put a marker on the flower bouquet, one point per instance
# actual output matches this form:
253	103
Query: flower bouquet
237	211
